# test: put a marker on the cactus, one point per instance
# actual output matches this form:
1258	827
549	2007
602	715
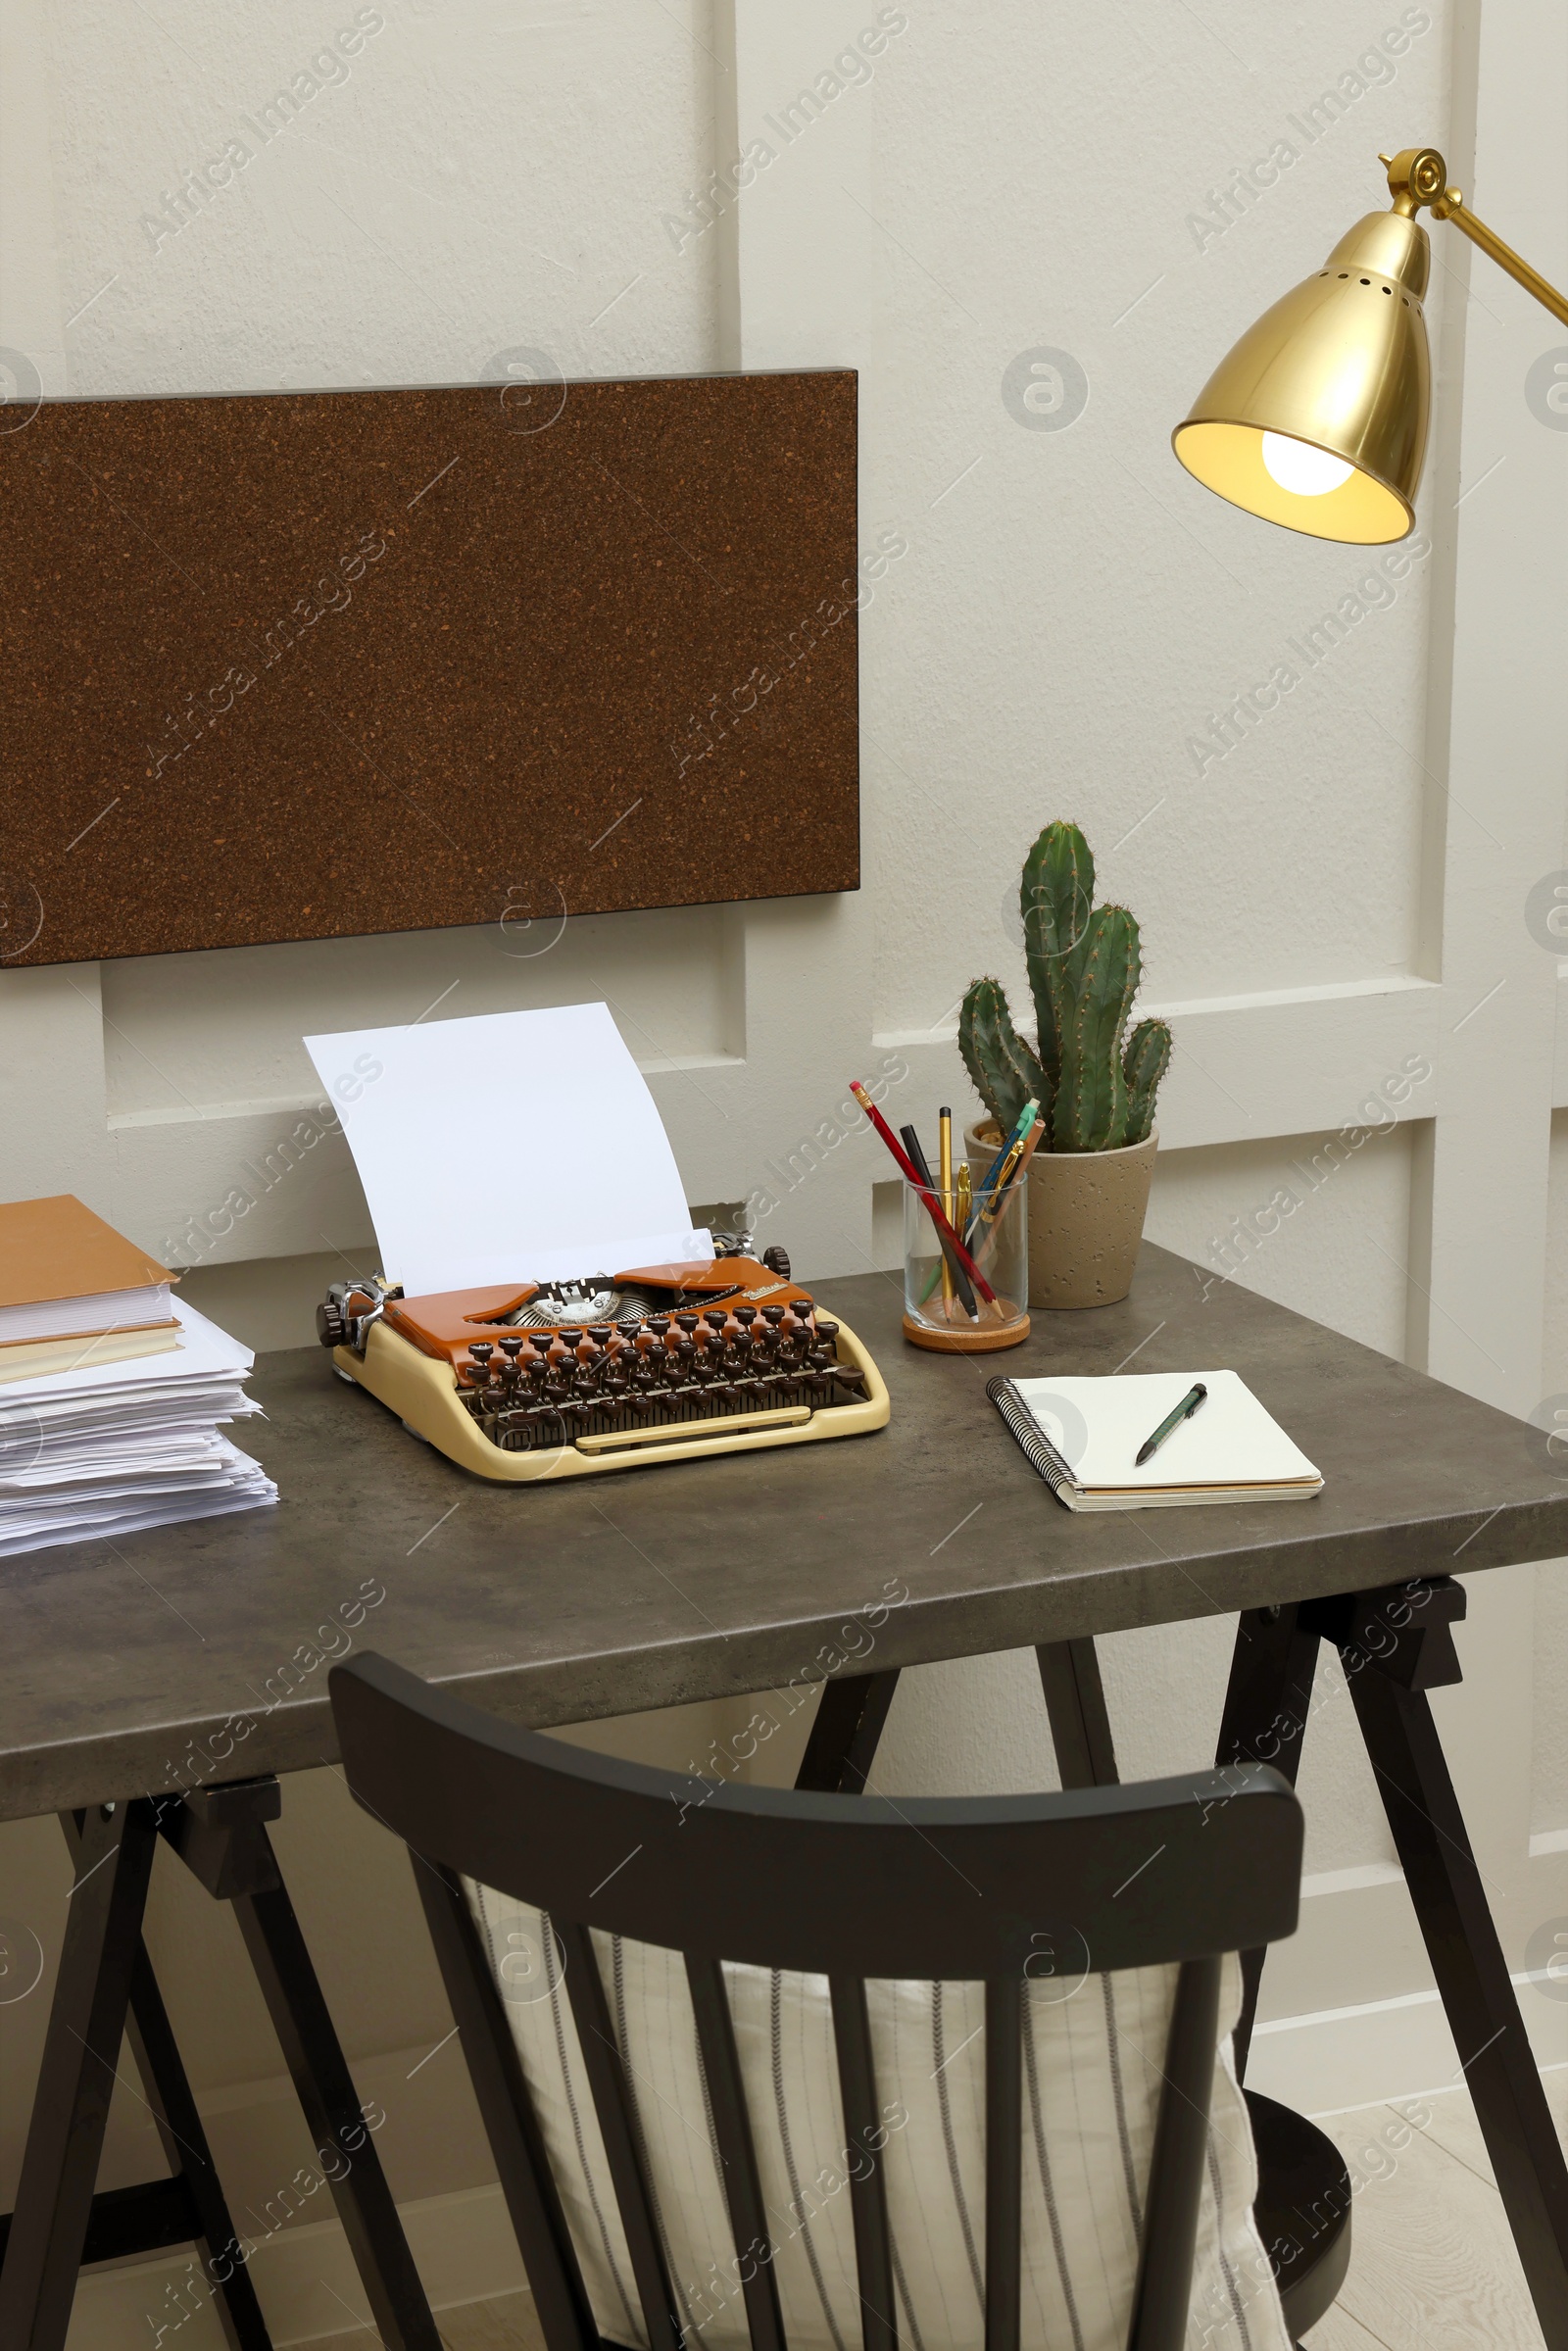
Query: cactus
1144	1065
1004	1070
1084	967
1055	899
1090	1106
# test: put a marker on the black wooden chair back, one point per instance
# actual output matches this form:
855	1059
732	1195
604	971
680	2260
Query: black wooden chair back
1180	1871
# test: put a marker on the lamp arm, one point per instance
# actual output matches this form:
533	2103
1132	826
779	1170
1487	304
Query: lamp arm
1451	205
1419	176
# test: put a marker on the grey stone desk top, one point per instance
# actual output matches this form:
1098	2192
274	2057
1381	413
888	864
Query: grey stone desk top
197	1653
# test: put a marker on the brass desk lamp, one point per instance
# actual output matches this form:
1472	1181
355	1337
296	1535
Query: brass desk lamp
1318	418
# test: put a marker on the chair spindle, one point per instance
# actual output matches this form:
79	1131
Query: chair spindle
607	2078
1176	2172
863	2138
742	2190
1005	1997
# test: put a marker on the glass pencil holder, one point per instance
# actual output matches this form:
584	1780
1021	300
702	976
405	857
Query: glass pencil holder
968	1300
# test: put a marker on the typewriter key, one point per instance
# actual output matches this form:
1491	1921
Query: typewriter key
511	1349
482	1349
600	1333
745	1316
773	1316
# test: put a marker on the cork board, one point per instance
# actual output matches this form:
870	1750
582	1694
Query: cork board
315	665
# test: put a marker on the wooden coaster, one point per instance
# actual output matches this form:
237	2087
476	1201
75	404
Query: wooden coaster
980	1339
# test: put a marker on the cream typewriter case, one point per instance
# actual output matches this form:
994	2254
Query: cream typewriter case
422	1393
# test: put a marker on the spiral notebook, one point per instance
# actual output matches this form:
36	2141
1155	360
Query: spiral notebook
1083	1435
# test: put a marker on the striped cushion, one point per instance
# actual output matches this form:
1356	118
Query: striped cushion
1092	2053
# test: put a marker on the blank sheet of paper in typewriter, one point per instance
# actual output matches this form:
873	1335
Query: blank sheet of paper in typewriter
507	1146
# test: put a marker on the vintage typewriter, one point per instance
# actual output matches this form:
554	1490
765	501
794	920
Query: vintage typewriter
661	1364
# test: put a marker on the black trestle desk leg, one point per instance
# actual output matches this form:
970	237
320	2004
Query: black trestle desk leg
189	2159
1267	1705
327	2092
1388	1688
186	2151
81	2055
850	1715
221	1835
1080	1723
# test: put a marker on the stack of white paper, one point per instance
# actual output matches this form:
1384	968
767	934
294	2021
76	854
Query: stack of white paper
102	1451
509	1146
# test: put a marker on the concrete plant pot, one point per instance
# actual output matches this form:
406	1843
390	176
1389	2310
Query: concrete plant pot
1085	1216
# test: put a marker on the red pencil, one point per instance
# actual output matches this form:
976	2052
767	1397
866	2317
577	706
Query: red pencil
933	1205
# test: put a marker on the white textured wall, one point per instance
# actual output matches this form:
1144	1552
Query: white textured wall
1340	892
1549	1810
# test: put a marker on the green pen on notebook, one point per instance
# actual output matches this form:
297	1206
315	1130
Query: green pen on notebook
1173	1420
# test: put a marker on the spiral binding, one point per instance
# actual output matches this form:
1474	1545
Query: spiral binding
1037	1450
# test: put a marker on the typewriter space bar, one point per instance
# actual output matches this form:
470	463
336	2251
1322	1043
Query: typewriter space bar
694	1432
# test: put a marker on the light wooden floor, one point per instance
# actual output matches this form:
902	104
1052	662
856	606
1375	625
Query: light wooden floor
1433	2265
1433	2268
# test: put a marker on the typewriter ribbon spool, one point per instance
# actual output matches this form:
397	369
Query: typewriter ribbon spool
559	1380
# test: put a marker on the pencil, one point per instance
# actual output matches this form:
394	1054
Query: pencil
909	1169
947	1263
962	1204
944	1179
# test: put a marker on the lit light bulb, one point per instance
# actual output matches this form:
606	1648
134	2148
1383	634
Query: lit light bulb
1297	466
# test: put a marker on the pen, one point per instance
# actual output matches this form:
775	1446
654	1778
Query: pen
1014	1160
983	1238
1184	1412
1026	1119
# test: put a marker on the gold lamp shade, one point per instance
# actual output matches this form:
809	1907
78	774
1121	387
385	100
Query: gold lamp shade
1318	418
